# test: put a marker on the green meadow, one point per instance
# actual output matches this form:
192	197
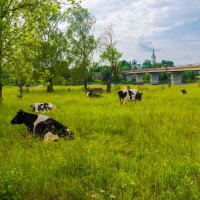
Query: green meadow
143	150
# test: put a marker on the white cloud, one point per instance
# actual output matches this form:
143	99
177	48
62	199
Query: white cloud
142	24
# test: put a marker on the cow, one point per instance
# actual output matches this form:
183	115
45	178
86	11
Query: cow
44	107
91	94
129	95
95	90
183	91
39	125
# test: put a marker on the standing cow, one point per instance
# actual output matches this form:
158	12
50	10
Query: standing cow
41	124
129	95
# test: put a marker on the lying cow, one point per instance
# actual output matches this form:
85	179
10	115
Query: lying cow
43	107
95	90
91	94
129	95
41	124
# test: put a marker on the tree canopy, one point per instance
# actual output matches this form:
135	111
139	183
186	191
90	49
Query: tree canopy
20	20
82	42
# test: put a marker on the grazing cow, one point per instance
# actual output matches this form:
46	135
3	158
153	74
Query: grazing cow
183	91
41	124
91	94
129	95
44	107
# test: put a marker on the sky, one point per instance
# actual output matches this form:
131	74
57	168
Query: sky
170	27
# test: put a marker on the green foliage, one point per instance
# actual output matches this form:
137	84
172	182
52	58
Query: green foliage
165	77
167	63
51	59
111	55
21	22
105	70
146	78
125	65
146	64
189	77
82	42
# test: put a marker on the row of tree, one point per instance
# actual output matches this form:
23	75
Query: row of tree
149	64
34	46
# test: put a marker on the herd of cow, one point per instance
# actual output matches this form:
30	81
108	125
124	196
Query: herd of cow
41	125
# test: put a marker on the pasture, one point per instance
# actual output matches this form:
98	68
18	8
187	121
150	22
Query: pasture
144	150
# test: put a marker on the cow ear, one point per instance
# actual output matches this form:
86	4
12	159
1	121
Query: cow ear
20	111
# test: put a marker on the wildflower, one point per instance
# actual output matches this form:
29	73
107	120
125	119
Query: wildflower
133	183
123	185
95	196
112	196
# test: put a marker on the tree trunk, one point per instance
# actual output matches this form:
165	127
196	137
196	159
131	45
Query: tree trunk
1	88
85	85
20	91
112	75
108	89
1	85
50	86
1	45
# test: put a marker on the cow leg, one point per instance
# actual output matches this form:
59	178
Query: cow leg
124	102
120	100
60	130
41	129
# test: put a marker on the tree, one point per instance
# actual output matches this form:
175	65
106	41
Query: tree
146	64
82	42
189	76
52	55
21	68
18	19
105	71
110	54
167	63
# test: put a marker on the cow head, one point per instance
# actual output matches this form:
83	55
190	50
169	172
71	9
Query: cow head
19	118
88	94
122	94
138	96
183	91
70	133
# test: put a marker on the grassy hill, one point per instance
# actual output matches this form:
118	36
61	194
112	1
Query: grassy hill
144	150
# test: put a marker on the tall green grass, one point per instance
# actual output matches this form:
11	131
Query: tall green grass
143	150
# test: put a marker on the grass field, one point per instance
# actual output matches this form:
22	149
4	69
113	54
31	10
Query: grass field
144	150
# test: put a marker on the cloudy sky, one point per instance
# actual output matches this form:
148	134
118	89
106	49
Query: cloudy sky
171	27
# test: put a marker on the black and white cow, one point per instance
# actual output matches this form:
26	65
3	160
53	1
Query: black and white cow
129	95
184	91
43	107
41	124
